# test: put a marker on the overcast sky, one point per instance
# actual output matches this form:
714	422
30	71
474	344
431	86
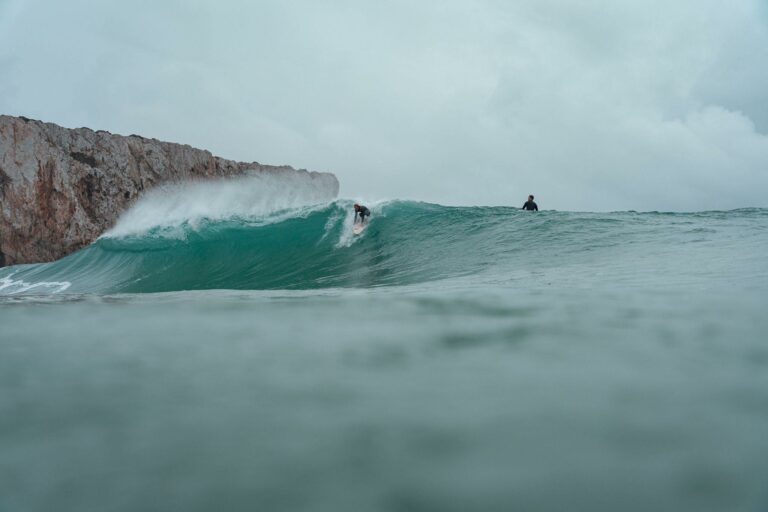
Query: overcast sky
590	105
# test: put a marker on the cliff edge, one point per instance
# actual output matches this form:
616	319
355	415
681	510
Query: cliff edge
61	188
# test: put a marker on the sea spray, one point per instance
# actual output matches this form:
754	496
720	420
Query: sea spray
257	196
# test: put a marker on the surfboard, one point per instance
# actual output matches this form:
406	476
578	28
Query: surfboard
358	228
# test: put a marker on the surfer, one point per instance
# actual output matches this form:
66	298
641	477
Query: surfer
363	212
530	205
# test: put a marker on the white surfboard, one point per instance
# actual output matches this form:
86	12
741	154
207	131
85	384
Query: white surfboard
358	228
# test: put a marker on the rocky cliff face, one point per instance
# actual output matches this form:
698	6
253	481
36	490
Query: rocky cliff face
61	188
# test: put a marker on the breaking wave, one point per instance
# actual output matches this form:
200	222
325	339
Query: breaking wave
195	238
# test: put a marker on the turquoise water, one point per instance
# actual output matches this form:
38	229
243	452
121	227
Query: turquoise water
448	359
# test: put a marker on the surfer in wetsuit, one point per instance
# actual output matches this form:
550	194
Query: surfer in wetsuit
530	205
363	212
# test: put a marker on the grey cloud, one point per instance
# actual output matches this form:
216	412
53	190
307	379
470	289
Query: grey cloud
619	105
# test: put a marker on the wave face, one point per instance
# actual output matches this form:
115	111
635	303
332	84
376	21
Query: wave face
285	246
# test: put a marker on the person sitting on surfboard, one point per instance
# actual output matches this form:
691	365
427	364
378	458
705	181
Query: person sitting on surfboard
363	212
530	205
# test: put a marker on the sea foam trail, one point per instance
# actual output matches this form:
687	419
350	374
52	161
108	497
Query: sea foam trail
260	197
10	287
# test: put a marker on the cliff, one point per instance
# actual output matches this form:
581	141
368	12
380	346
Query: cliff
61	188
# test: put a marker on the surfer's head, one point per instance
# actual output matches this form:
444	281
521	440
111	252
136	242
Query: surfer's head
357	207
530	198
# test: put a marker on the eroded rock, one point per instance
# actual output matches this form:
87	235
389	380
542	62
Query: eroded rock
61	188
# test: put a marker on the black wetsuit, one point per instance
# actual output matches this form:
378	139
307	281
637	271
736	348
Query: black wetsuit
530	205
363	212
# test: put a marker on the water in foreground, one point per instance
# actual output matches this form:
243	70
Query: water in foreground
448	359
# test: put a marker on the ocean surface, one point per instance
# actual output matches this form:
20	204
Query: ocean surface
447	359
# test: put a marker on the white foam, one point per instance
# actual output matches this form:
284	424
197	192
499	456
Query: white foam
330	224
10	287
347	237
263	196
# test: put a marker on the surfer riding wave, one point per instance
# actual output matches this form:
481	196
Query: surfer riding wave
362	212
